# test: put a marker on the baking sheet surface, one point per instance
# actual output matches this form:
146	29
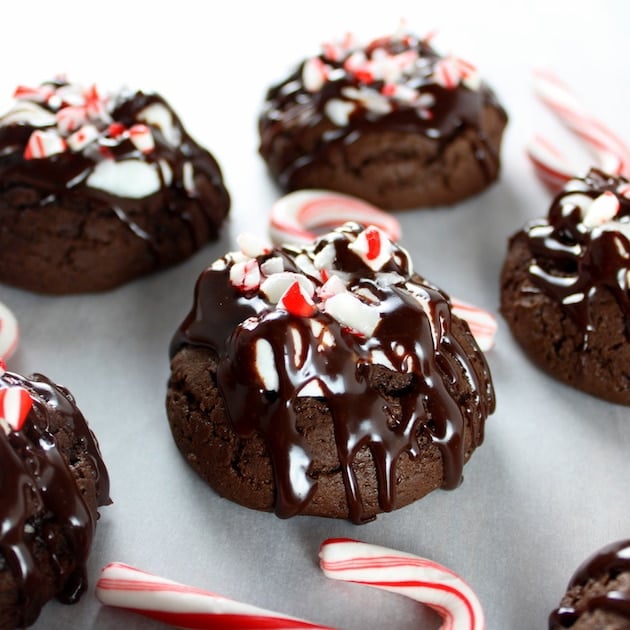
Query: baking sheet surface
549	485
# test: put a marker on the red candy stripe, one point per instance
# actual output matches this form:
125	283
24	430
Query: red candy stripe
15	405
609	151
417	578
294	216
184	606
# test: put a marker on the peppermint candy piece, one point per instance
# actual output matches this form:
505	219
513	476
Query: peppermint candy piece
297	301
314	74
351	312
373	247
417	578
43	144
15	405
82	137
277	284
603	209
39	94
142	138
245	275
253	245
8	332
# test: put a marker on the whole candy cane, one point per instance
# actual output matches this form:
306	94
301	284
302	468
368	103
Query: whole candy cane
183	606
610	152
8	332
423	580
294	216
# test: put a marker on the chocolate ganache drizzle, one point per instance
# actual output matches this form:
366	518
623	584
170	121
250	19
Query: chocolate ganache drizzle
397	83
606	565
583	246
41	500
128	151
320	321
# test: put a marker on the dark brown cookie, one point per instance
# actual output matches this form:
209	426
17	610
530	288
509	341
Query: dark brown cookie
326	380
393	122
564	287
598	595
96	191
53	480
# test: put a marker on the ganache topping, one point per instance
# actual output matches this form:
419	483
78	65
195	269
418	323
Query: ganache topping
395	83
583	246
607	563
128	150
317	321
38	486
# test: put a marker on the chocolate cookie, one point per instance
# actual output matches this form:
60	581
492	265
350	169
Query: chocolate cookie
325	379
97	190
598	595
564	287
53	480
392	122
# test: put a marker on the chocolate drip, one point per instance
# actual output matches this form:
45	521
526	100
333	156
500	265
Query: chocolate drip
37	486
416	341
607	563
572	262
453	109
62	178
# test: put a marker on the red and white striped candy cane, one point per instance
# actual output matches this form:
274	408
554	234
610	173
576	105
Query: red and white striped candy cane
418	578
294	216
611	154
8	332
483	324
184	606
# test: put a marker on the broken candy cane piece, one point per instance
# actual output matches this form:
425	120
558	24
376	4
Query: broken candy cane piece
43	144
184	606
245	275
351	312
610	152
373	247
418	578
297	301
294	216
603	209
15	404
483	325
9	333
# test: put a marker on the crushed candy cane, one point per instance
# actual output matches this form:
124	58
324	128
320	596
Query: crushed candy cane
388	73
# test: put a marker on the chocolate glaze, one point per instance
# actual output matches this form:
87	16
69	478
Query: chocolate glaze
289	104
607	563
417	342
37	486
62	178
571	262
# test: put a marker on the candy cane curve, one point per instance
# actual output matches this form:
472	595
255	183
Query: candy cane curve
612	155
127	587
417	578
294	216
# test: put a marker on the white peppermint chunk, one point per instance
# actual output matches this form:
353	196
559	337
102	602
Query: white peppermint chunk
159	116
272	265
276	285
265	365
253	245
338	111
350	311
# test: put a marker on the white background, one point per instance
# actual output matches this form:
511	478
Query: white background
549	485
